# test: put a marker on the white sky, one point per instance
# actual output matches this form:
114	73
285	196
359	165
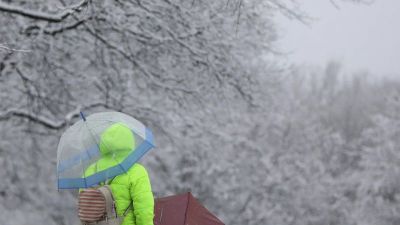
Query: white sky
362	37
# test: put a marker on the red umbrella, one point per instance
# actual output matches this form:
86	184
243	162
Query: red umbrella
182	209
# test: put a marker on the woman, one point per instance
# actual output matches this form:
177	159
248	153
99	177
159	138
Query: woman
117	141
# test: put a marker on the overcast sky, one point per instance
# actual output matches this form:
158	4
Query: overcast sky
363	37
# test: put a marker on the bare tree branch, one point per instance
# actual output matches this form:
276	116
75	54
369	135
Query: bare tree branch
335	4
71	26
290	13
9	49
5	7
44	121
32	117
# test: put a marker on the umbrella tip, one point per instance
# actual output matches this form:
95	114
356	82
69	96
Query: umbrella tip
82	116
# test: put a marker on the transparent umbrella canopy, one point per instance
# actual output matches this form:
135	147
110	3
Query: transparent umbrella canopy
100	147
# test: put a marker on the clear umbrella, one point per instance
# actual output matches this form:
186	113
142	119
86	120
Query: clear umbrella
113	139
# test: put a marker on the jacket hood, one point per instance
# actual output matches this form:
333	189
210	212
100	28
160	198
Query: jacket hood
117	140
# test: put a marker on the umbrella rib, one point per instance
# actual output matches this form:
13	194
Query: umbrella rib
83	169
91	134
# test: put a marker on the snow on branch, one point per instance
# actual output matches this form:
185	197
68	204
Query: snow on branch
65	28
5	7
9	49
32	117
45	121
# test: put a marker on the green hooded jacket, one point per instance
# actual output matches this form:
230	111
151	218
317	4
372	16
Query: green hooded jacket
116	143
